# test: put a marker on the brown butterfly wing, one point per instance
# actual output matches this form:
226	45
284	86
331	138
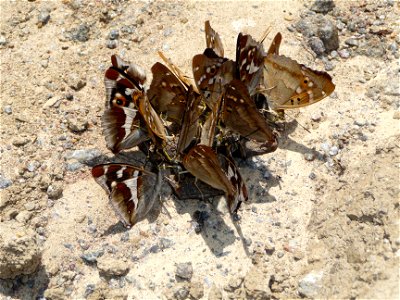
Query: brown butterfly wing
132	72
132	191
167	94
292	85
211	73
119	90
249	62
122	128
241	115
276	43
153	121
213	40
203	163
232	172
190	124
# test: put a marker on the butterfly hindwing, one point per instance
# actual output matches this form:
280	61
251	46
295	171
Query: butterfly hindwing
122	128
203	163
132	191
240	115
292	85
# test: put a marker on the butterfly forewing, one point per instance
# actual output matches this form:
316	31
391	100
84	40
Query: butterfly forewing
132	191
132	72
292	85
190	124
249	61
167	94
213	40
241	115
211	73
276	43
203	163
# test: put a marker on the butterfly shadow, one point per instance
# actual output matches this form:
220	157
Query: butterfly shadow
287	143
208	222
200	201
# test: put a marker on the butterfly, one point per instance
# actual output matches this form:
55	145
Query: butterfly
132	191
174	96
289	84
129	118
203	162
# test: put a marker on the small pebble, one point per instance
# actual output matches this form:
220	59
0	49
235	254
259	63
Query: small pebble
351	42
111	44
312	176
114	34
91	257
168	32
333	151
165	243
310	285
83	244
267	175
3	40
7	109
33	166
360	122
334	54
316	117
43	17
316	45
344	53
90	288
309	156
20	141
269	246
184	271
55	190
165	47
77	125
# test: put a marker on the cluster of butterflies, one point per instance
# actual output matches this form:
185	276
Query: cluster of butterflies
196	130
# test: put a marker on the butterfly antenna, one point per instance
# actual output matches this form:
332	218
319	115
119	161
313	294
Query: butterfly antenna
265	34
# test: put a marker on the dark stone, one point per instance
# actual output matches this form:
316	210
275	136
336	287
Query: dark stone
316	45
323	6
184	271
43	17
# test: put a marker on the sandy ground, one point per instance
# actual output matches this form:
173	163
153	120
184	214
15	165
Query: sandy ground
326	227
